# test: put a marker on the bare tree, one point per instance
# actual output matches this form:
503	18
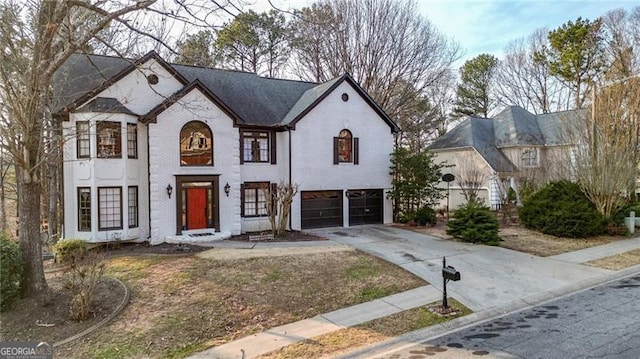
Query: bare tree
278	199
621	32
391	51
525	80
470	177
607	147
37	37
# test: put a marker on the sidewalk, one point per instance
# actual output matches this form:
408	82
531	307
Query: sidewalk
495	281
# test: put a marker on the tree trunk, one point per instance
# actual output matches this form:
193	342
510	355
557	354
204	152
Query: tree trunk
33	281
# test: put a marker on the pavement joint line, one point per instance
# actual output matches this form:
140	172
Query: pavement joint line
423	335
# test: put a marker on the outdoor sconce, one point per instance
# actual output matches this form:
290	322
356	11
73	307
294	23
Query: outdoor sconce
227	189
169	190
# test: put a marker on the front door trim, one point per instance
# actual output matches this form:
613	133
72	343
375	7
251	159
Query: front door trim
215	185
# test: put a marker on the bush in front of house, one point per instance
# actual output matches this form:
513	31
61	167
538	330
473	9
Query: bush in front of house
561	209
474	222
11	267
426	216
70	250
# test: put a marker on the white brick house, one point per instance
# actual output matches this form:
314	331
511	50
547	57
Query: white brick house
163	152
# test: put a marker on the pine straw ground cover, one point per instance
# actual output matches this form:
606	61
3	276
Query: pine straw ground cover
184	304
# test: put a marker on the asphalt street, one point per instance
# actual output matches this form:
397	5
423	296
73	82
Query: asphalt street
601	322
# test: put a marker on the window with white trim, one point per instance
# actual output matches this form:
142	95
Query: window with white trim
530	158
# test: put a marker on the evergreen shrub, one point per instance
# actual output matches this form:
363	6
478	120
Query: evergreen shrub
561	209
11	268
474	222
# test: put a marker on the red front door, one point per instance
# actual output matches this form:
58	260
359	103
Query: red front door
196	208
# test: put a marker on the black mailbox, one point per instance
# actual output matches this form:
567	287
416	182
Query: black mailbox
450	273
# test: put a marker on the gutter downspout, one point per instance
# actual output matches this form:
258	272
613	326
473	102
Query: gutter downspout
290	175
148	183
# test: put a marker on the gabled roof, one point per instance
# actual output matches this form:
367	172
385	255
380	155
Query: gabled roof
514	126
84	76
254	100
153	114
315	95
476	133
105	105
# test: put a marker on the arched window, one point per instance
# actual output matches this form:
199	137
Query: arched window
345	148
196	145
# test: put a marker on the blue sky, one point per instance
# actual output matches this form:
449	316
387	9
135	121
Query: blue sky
483	26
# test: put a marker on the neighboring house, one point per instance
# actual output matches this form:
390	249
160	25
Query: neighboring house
500	152
164	152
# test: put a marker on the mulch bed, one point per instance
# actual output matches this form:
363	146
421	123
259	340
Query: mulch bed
47	318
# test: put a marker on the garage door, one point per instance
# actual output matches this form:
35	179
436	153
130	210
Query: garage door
321	209
365	206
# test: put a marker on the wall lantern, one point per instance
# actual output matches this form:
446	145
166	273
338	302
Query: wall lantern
169	190
227	189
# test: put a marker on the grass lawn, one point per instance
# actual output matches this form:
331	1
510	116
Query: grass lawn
348	339
618	261
184	304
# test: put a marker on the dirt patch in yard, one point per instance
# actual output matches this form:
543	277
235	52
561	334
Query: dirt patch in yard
618	261
47	318
525	240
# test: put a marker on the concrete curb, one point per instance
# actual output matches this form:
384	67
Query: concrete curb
422	335
119	309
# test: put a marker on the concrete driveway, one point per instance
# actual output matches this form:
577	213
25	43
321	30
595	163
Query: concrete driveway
492	277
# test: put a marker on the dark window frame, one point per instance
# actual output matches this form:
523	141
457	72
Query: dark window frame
256	187
100	211
84	211
345	138
254	155
132	141
83	140
183	152
103	142
132	207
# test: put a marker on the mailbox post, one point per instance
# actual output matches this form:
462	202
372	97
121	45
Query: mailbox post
448	273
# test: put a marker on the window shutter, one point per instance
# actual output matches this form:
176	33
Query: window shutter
272	148
336	145
241	199
241	147
274	193
356	152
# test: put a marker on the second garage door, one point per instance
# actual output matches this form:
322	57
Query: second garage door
321	209
365	206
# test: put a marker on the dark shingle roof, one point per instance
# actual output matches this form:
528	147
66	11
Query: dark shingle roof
254	100
105	104
514	126
476	133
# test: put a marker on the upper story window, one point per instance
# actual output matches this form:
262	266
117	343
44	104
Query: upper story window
196	145
530	158
345	148
109	139
132	140
83	140
257	146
